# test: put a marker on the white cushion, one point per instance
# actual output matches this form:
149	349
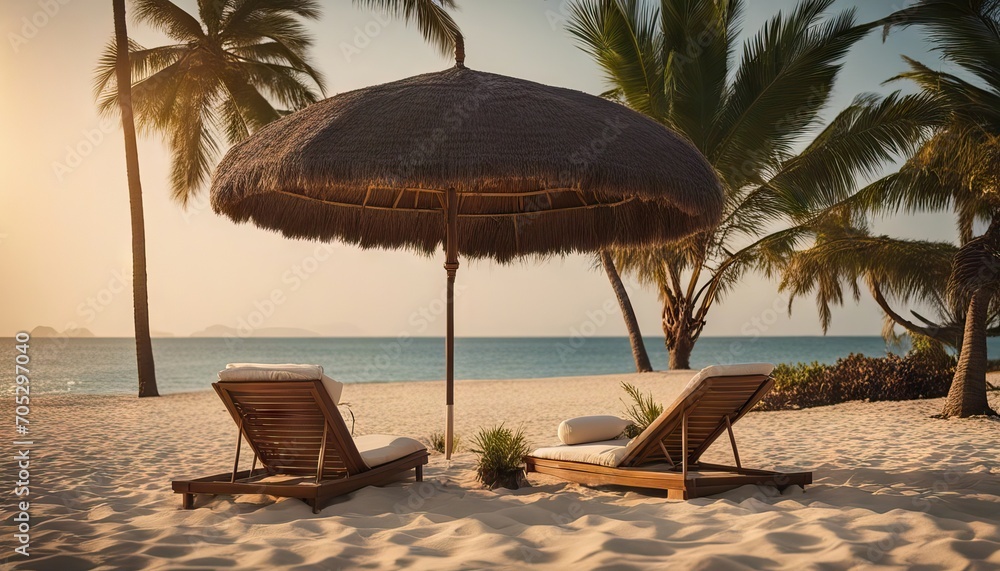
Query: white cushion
378	449
585	429
737	370
270	372
607	453
281	372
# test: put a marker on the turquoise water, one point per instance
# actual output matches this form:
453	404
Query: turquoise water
107	366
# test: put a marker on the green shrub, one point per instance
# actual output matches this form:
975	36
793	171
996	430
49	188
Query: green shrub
856	377
642	411
501	454
436	442
793	385
787	376
929	351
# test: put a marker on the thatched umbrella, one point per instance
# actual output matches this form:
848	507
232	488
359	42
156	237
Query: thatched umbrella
486	166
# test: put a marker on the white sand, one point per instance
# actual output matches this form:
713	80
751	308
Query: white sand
892	487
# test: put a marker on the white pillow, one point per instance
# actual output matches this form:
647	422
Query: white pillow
584	429
282	372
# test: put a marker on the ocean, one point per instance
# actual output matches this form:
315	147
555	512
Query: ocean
107	365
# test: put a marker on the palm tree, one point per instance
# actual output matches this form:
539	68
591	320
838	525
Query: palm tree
976	279
143	344
959	168
211	79
241	66
238	68
845	256
956	167
674	61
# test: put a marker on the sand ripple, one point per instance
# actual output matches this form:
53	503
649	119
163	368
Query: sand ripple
894	487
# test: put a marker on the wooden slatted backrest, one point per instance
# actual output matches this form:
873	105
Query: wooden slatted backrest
707	406
283	422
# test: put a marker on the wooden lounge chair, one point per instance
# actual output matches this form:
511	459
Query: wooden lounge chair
304	448
666	455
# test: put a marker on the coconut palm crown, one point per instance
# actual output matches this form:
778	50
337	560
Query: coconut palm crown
751	116
956	166
235	67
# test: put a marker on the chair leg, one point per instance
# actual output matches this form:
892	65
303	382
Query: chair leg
187	501
419	473
315	505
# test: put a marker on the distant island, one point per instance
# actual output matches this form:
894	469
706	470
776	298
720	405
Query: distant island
46	331
225	331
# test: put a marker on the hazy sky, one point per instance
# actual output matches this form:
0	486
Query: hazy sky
64	219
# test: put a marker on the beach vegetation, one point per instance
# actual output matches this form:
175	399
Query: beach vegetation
118	67
436	441
929	350
975	279
433	21
846	259
500	455
788	376
752	116
236	66
228	70
859	378
640	408
954	166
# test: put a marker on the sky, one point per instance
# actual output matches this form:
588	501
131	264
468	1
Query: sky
64	218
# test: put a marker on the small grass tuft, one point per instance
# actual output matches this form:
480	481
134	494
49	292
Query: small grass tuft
436	442
642	410
501	454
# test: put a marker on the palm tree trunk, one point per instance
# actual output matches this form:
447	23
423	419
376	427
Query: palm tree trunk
679	336
631	324
967	396
143	344
680	354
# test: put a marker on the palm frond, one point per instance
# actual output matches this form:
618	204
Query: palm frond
221	81
696	73
750	118
914	271
237	12
144	62
431	16
783	82
167	17
641	409
621	36
964	32
193	142
243	108
870	133
278	54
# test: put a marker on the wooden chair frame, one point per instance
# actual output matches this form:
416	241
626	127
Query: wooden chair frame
691	425
294	429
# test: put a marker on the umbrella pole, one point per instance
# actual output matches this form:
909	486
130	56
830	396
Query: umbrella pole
450	266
